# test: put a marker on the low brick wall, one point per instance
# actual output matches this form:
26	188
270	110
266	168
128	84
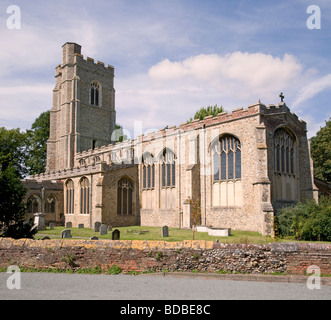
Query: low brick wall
140	256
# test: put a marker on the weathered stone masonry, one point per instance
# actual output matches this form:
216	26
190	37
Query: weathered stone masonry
241	166
140	256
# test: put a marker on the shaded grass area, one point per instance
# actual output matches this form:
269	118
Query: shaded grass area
154	233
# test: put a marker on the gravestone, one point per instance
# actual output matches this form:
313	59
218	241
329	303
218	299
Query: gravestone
97	226
69	224
51	225
94	238
165	231
110	228
115	235
80	225
66	233
39	221
45	238
103	229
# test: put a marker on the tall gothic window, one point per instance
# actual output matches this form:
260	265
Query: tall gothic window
50	204
148	169
94	93
33	204
125	197
70	204
84	196
227	159
284	182
168	169
226	183
283	144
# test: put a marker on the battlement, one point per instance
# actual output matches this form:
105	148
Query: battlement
238	113
79	58
71	54
66	173
272	109
36	184
121	152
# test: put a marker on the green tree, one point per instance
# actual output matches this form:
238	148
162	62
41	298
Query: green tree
321	152
307	220
13	150
37	144
207	111
119	133
195	214
13	153
12	208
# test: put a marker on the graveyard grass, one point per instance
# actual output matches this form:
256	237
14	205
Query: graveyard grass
154	233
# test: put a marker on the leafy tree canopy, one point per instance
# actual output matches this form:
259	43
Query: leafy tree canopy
207	111
13	150
119	136
37	144
12	208
321	152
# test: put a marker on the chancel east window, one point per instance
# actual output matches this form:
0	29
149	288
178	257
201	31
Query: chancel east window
95	93
284	184
125	197
70	197
226	155
84	196
283	144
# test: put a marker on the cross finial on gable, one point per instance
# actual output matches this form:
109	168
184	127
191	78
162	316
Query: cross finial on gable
282	97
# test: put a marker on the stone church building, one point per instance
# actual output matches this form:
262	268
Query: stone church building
241	166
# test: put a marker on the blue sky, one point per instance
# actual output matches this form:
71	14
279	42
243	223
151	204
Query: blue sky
171	57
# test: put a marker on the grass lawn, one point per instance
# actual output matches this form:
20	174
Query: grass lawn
154	233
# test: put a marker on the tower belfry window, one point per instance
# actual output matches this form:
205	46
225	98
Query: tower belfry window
94	93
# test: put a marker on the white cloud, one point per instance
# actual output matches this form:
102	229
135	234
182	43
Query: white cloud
312	89
21	105
238	72
171	91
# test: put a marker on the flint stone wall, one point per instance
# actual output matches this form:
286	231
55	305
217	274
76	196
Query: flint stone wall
142	256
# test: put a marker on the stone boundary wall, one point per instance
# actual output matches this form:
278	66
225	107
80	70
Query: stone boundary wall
158	256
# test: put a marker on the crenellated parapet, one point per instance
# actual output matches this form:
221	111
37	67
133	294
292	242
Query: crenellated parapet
124	152
79	58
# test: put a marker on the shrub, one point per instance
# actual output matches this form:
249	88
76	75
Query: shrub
306	221
69	259
114	269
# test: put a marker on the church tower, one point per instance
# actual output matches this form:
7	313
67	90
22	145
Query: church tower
83	115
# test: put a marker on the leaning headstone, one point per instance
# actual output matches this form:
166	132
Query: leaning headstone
69	224
103	229
80	225
51	225
66	233
94	238
115	235
165	231
97	226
